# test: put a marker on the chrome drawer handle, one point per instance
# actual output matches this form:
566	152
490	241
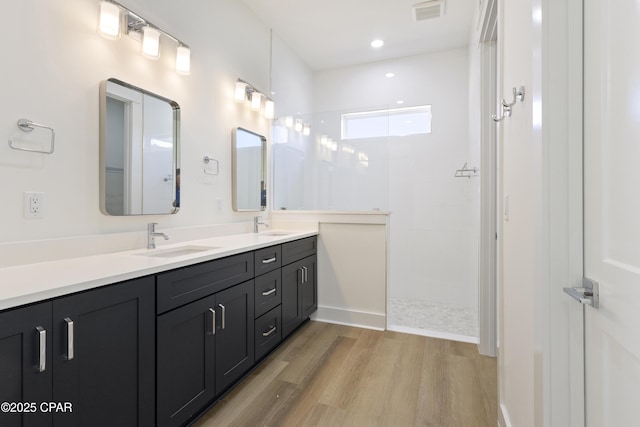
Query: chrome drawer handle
42	338
70	338
270	331
213	321
269	292
269	260
224	315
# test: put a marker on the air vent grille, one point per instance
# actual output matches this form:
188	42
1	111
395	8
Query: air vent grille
428	10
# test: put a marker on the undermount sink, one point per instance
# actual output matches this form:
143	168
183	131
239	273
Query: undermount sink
176	252
275	233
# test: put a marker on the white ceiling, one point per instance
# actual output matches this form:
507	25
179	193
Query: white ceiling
336	33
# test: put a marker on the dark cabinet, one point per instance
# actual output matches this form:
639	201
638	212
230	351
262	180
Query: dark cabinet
99	356
299	293
186	361
234	337
203	348
25	363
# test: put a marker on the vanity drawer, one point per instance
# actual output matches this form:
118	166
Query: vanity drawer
268	332
182	286
298	249
268	292
268	259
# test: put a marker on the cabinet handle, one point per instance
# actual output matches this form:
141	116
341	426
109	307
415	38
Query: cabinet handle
306	274
301	276
270	331
213	321
42	339
70	349
269	292
269	260
224	315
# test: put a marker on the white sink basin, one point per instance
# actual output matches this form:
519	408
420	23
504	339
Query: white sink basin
275	233
176	252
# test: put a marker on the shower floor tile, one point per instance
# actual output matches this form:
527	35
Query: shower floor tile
428	316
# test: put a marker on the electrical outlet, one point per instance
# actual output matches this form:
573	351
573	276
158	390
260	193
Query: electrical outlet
33	204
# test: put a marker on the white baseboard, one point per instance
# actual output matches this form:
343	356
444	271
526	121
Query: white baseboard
358	319
434	334
503	417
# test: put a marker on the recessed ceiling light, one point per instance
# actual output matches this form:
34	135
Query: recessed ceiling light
399	102
377	43
389	75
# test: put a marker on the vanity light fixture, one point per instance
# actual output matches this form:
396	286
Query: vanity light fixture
256	101
298	126
241	91
288	121
269	109
112	14
150	43
109	24
306	130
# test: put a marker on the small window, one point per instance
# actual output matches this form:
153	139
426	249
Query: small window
384	123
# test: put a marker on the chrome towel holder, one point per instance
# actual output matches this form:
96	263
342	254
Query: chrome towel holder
506	107
27	125
208	160
465	172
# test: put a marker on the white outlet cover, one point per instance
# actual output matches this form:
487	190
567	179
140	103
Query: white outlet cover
33	204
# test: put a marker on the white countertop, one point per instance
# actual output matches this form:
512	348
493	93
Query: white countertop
30	283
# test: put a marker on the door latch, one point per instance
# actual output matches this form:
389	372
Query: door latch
588	294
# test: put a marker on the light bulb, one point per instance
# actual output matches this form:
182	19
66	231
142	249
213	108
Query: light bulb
298	126
288	121
151	43
256	101
306	130
183	60
109	25
269	109
240	92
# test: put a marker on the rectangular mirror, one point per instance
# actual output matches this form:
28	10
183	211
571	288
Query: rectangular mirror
249	170
139	168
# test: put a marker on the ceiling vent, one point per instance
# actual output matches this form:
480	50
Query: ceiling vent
428	10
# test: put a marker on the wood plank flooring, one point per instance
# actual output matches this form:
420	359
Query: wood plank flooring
332	375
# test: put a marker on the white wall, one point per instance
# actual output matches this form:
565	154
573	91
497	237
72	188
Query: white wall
434	218
54	63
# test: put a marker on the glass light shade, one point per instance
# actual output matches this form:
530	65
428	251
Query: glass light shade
324	140
269	109
240	92
109	24
298	126
306	130
288	121
183	60
256	101
151	43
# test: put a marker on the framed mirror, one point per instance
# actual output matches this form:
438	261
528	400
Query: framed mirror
139	146
249	170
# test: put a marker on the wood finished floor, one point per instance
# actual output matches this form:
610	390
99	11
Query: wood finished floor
331	375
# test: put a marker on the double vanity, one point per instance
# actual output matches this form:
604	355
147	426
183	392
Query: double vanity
148	337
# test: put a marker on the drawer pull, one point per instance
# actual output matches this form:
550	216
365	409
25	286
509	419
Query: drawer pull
70	338
269	260
42	339
270	331
224	315
306	274
213	321
269	292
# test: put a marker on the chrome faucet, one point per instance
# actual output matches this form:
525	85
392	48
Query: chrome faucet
257	223
152	234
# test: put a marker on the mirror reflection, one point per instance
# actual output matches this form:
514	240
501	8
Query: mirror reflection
249	171
139	168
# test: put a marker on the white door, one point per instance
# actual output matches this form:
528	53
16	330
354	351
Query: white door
612	211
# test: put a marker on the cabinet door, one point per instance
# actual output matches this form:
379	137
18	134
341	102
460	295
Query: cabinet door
291	314
308	288
25	375
103	355
234	336
299	293
186	361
